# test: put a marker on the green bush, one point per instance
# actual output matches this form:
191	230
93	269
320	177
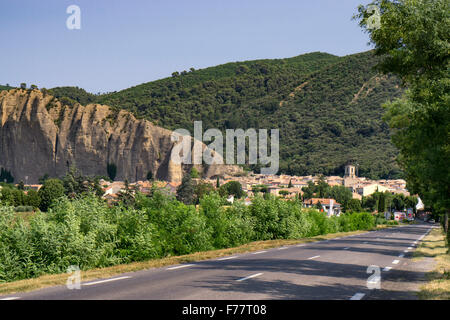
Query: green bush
87	233
230	226
23	209
393	223
319	221
181	228
362	221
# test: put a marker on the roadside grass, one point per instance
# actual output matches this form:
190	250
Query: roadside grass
438	285
102	273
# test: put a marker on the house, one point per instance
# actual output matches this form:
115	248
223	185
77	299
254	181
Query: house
173	186
330	206
368	189
35	187
275	190
111	198
292	193
356	196
247	201
114	188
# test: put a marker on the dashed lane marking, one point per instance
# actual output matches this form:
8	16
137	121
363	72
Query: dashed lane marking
179	267
358	296
104	281
250	277
259	252
227	258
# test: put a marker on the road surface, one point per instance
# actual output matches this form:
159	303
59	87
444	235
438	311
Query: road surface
336	269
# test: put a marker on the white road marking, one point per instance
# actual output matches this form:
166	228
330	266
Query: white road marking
259	252
358	296
387	268
10	298
283	248
300	245
395	261
179	267
227	258
103	281
250	277
313	257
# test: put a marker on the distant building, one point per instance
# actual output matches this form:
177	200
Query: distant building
367	190
350	171
330	206
35	187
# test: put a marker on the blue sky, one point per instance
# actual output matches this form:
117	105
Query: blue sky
125	43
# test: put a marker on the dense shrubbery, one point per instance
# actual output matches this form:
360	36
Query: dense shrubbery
86	232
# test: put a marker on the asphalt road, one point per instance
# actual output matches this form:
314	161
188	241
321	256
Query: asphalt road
333	270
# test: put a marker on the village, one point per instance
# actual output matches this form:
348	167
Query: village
289	187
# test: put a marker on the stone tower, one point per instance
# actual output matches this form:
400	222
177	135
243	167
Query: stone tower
350	171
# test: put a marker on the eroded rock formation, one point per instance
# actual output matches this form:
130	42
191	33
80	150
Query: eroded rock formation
39	135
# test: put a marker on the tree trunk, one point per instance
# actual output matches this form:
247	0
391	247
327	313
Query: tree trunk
446	221
447	231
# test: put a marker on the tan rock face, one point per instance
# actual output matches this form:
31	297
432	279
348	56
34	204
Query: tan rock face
39	135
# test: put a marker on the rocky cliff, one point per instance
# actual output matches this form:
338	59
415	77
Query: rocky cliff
40	135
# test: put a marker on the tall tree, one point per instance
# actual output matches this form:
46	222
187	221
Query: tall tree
49	192
6	176
111	169
322	189
194	173
232	188
185	192
413	42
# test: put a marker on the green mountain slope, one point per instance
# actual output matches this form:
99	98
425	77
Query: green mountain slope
328	108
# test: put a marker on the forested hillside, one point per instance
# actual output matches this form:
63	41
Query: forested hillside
5	87
328	108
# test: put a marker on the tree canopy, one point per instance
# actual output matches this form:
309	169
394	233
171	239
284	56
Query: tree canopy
413	41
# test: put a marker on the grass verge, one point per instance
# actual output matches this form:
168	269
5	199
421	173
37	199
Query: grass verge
102	273
438	285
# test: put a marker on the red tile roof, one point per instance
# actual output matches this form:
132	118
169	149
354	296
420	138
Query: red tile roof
323	201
